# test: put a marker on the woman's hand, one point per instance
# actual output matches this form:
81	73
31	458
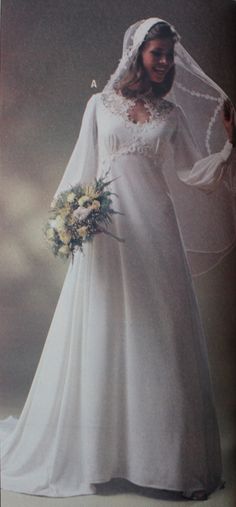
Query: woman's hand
229	120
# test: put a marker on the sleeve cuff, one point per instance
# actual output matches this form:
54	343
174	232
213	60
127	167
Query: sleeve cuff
225	153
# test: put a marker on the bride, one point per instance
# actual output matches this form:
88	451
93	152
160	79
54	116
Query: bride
123	387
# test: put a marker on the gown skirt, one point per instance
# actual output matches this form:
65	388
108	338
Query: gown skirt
123	387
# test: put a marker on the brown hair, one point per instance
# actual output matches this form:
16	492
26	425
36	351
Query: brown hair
136	73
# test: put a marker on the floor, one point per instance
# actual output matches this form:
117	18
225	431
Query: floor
117	494
120	492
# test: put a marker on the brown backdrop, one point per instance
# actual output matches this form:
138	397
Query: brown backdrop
51	52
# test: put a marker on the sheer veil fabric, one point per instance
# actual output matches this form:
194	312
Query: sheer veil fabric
123	387
206	216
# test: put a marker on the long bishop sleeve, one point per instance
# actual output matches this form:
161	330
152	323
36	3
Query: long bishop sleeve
82	165
203	190
204	173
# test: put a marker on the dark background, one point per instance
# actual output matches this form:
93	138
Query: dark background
51	52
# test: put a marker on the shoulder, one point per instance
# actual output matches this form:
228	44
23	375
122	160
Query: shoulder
173	106
91	102
93	98
179	111
168	107
91	105
179	115
178	119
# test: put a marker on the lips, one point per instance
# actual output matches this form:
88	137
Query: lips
157	75
161	71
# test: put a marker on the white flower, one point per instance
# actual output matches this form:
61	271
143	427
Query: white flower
59	222
70	197
81	213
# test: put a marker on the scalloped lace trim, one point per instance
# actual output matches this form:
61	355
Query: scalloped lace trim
153	109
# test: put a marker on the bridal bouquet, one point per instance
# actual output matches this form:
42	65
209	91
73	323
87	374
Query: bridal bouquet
77	214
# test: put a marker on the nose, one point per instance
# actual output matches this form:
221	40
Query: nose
163	59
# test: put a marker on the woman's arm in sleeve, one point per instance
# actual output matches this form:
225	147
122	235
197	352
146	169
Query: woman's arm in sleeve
204	173
83	162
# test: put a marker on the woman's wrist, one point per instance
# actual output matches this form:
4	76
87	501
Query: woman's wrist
227	150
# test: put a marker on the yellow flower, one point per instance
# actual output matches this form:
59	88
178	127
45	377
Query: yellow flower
64	250
83	199
83	231
70	197
59	222
50	233
90	192
95	204
64	212
65	236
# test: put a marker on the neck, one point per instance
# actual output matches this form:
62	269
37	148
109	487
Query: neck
140	95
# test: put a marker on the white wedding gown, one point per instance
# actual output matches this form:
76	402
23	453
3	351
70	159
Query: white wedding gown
123	388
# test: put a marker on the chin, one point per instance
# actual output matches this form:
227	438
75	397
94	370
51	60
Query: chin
157	81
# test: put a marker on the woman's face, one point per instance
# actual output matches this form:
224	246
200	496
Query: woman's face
157	58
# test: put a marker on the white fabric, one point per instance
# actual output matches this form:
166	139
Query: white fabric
122	388
208	227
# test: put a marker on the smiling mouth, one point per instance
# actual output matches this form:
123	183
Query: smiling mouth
159	71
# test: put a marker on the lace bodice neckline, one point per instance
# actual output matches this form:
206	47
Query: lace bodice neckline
156	108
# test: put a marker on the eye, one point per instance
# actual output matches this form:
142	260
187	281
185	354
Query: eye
156	53
170	54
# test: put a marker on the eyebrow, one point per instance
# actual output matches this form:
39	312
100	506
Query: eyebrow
161	49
